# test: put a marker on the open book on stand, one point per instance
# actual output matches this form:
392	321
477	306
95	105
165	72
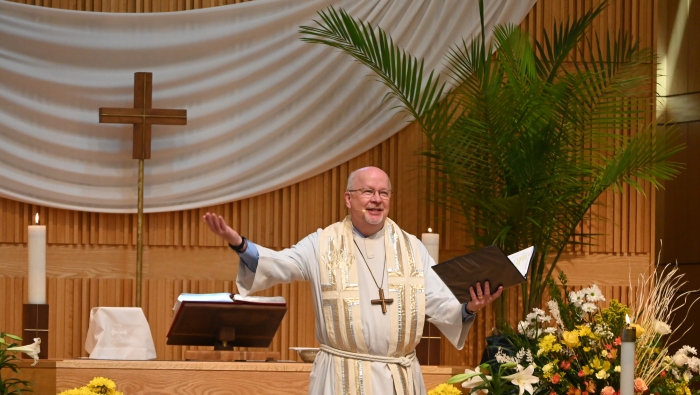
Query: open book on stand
225	297
489	264
224	320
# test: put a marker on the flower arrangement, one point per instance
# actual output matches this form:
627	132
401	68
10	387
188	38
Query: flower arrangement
98	385
445	389
575	348
8	358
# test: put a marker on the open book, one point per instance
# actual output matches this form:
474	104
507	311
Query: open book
488	264
225	297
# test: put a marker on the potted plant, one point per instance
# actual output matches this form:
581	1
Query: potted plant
526	134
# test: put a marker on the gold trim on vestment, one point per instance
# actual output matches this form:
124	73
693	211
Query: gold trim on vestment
342	312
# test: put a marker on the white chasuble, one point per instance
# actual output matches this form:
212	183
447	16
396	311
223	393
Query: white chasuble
344	271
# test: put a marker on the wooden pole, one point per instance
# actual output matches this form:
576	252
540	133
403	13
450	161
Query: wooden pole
139	237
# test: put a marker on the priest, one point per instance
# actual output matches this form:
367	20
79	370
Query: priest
372	285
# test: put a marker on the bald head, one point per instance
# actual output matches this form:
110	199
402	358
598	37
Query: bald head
371	169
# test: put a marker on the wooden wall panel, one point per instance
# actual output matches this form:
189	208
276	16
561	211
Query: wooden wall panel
92	255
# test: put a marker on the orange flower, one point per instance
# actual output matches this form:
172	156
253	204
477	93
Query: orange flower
573	391
590	386
607	391
556	378
639	385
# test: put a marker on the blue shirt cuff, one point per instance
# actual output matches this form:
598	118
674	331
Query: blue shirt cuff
250	256
466	314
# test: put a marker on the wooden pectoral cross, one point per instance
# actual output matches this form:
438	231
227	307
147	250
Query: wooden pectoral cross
382	301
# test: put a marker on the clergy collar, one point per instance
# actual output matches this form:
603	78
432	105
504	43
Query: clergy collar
357	232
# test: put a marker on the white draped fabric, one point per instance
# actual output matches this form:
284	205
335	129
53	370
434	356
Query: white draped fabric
264	109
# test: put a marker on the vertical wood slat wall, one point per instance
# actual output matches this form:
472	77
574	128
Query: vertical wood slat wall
278	219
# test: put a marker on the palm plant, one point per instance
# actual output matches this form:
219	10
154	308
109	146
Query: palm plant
525	138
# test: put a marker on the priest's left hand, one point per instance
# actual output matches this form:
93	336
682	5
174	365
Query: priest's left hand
481	298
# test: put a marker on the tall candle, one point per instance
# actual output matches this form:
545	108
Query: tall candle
629	338
37	263
432	243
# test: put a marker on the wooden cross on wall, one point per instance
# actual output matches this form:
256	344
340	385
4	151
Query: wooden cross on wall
142	115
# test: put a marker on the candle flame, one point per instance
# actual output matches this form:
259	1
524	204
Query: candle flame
430	230
627	318
36	218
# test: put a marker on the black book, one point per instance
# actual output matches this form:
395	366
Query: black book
489	264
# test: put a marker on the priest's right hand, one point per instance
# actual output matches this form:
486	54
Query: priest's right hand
218	225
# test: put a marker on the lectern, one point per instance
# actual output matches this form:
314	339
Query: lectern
225	325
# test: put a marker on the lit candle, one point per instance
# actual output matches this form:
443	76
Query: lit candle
629	338
37	263
432	243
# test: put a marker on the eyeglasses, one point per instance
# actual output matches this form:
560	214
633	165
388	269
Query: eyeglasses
368	193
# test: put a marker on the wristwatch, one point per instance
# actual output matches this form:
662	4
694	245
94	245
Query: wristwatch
238	248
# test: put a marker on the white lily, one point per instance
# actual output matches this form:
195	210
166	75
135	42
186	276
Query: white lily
477	380
524	379
32	350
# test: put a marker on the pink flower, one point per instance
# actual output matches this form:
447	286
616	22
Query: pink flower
639	385
607	391
581	373
618	341
565	365
663	374
608	347
556	378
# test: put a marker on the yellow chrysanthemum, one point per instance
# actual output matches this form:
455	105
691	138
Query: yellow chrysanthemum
77	391
102	382
546	344
584	330
445	389
101	385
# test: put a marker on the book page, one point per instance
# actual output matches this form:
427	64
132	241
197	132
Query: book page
521	259
214	297
260	299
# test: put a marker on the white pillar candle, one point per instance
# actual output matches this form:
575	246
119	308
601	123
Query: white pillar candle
629	338
37	263
432	243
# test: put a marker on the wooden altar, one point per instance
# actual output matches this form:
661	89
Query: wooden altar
188	377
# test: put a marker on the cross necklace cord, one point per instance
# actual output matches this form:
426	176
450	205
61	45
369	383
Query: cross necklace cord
381	301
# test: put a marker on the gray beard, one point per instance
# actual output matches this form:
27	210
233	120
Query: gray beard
372	221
